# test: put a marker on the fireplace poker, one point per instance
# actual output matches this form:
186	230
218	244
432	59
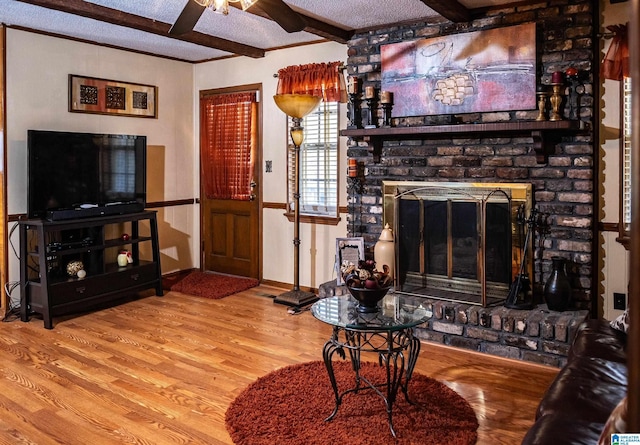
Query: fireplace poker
522	284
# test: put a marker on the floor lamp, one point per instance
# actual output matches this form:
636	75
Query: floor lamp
296	106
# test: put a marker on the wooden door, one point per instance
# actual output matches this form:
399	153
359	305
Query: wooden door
231	227
231	237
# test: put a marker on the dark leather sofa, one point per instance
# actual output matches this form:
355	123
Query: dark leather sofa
578	403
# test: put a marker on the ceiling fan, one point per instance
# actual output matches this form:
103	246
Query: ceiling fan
278	10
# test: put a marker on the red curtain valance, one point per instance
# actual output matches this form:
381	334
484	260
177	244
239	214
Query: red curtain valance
318	79
616	63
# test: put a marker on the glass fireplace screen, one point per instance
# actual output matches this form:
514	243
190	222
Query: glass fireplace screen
457	241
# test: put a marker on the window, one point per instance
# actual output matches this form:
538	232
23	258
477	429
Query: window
625	163
318	164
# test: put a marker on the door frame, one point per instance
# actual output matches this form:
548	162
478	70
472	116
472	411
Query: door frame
5	302
257	87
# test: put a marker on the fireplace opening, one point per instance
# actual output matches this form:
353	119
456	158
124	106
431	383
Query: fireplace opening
457	241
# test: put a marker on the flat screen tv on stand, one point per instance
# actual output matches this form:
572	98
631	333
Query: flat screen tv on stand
79	175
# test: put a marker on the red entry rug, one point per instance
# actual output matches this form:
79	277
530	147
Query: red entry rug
288	407
213	285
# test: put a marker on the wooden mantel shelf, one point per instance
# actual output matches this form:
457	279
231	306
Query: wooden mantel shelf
544	133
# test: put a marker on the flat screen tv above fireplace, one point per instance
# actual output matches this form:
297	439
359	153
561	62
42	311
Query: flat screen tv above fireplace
76	175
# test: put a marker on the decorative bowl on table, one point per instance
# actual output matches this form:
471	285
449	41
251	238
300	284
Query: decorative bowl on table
368	298
366	284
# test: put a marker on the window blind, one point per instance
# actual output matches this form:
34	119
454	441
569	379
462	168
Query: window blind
318	163
625	180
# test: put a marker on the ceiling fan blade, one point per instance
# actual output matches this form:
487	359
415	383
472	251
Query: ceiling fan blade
282	14
187	19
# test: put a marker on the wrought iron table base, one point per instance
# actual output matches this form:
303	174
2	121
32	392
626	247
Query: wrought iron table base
390	346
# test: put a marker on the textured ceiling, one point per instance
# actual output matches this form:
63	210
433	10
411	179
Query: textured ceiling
239	26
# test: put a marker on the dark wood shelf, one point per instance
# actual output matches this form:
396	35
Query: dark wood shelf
544	133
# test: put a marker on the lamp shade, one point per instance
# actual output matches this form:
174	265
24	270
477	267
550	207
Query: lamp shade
297	136
296	105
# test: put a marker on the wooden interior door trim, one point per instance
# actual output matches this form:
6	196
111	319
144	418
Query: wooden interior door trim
257	268
4	272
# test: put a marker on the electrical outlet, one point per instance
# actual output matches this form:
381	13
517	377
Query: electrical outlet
619	301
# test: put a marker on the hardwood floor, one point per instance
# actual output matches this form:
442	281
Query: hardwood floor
162	370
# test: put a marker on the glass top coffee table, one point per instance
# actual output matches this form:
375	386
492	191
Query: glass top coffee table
388	333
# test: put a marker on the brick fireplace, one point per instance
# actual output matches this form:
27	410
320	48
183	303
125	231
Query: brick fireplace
562	180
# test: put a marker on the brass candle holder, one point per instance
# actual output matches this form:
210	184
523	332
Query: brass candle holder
542	105
556	102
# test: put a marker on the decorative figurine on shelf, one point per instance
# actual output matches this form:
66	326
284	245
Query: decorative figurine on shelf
542	94
557	82
386	99
355	111
372	110
124	258
73	267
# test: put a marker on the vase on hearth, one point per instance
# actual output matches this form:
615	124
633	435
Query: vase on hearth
557	289
384	252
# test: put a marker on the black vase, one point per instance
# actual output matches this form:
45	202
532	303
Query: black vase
557	290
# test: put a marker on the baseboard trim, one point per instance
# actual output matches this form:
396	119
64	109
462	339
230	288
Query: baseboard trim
287	286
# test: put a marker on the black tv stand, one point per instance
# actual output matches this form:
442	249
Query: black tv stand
47	247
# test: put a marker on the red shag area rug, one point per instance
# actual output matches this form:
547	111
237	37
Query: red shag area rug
213	285
288	407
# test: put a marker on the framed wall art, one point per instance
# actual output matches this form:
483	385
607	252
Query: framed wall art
103	96
348	249
474	72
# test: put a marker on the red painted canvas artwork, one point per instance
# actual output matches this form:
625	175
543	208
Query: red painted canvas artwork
482	71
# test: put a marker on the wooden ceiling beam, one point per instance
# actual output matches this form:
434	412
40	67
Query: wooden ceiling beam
116	17
314	26
327	31
450	10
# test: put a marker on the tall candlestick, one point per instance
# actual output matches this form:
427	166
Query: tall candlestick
556	103
542	105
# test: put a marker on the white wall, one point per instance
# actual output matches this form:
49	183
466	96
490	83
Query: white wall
615	259
317	249
37	90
